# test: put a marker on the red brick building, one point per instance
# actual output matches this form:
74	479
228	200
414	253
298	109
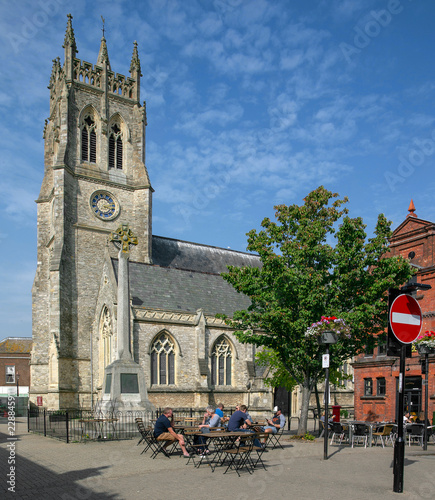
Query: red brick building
375	373
15	366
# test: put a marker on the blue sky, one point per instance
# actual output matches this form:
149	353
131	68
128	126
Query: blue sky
249	104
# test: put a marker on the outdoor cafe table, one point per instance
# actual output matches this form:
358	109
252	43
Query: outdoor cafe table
370	426
218	441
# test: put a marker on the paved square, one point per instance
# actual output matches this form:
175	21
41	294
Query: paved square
50	469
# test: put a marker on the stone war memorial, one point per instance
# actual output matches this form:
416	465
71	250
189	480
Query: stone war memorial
122	317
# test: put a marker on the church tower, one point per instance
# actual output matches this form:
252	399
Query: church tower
95	178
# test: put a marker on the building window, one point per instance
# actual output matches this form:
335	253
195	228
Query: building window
381	388
221	362
368	387
368	352
163	360
10	374
115	147
89	140
382	349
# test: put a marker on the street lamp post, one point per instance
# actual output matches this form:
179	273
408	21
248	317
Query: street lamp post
326	338
18	386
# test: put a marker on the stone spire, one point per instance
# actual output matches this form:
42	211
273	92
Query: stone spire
103	55
135	62
411	210
135	72
70	47
70	40
55	71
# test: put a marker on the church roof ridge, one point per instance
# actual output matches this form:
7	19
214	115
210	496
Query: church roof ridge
206	246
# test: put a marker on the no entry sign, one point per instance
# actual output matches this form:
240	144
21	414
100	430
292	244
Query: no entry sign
405	318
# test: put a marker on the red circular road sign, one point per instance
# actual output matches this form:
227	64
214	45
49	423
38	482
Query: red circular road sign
405	318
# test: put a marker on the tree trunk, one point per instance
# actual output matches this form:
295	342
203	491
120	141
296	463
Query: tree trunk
306	388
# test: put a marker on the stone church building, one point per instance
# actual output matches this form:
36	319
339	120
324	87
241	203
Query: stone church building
96	179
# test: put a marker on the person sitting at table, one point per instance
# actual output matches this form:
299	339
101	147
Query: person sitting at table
248	417
277	422
220	411
238	420
163	431
420	419
322	421
213	420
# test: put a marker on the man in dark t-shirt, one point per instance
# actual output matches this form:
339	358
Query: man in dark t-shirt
164	431
237	419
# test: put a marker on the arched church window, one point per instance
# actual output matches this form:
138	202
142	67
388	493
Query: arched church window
115	147
89	140
163	360
221	357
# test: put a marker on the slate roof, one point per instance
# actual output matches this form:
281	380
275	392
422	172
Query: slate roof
185	277
180	254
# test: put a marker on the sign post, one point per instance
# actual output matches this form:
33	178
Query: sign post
326	339
405	321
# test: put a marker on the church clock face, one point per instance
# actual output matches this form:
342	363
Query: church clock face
104	205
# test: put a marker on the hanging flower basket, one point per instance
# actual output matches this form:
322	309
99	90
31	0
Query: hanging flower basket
425	343
328	330
327	337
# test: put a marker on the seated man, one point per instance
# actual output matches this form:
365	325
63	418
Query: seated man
220	411
277	422
238	419
164	431
322	423
239	422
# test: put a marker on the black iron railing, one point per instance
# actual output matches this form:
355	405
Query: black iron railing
87	425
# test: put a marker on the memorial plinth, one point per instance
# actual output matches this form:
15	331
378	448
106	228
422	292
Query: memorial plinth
124	380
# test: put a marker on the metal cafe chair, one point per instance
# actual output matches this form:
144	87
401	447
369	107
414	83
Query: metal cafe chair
360	432
275	439
416	433
255	460
337	432
142	430
384	434
239	457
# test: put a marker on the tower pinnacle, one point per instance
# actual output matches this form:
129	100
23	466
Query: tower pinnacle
103	55
135	62
70	41
411	210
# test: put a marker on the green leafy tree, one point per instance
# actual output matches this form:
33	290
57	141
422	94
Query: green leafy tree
303	277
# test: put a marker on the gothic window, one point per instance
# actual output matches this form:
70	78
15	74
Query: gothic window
89	140
115	147
163	360
106	337
221	362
